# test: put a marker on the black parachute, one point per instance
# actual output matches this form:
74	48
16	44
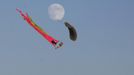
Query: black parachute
72	31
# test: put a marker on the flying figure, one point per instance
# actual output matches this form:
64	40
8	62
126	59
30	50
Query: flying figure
50	39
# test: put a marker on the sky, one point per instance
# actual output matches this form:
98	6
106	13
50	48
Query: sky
105	43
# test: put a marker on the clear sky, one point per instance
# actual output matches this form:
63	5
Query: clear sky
105	44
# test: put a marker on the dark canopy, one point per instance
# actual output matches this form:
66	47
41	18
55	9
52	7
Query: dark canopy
72	31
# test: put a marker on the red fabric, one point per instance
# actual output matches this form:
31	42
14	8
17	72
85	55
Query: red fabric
30	22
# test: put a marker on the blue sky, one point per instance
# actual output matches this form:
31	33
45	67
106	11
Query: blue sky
105	44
